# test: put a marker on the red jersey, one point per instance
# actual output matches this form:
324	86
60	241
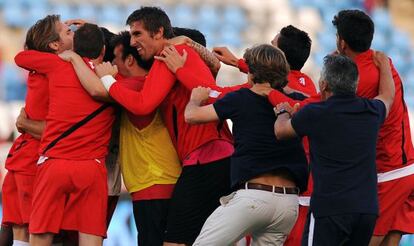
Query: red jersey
23	154
301	82
297	80
136	84
394	145
160	87
69	103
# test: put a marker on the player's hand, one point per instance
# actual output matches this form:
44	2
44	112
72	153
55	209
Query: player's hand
381	60
180	40
67	55
172	58
76	22
200	94
106	68
20	119
225	56
286	106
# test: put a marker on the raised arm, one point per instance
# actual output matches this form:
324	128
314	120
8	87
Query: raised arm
89	80
188	76
208	57
187	66
41	62
276	97
32	127
386	90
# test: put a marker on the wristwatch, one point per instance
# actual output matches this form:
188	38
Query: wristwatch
282	111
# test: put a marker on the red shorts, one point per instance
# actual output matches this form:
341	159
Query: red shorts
295	235
396	202
17	198
70	195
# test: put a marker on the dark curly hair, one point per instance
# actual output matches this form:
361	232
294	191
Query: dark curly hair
356	28
296	45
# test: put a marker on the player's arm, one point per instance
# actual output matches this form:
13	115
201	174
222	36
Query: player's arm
276	97
188	77
41	62
188	67
158	84
32	127
386	90
89	80
207	56
195	112
283	125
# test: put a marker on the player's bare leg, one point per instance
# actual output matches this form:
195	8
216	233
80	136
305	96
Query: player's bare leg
89	240
21	233
393	238
173	244
43	239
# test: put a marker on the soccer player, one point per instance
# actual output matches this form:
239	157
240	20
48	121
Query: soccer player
265	172
47	35
149	162
296	45
342	131
203	150
395	152
70	188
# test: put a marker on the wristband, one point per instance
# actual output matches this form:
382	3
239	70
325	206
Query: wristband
107	81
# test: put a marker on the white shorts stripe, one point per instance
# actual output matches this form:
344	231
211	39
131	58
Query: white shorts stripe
304	201
311	230
396	174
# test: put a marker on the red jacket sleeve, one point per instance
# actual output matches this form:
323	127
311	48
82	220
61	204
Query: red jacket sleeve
41	62
226	90
194	72
275	97
156	87
242	65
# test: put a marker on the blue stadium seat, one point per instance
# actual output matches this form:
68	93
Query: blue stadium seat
235	16
382	20
35	13
400	59
14	82
401	40
183	16
230	36
207	15
327	42
210	35
301	3
14	15
380	42
111	13
87	12
65	11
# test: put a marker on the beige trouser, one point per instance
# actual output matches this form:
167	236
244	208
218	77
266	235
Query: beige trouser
268	217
